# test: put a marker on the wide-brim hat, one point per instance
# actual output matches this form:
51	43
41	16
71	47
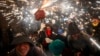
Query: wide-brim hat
22	39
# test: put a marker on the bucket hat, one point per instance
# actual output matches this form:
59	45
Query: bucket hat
21	39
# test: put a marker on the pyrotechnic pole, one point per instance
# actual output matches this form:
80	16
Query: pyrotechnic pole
91	39
88	37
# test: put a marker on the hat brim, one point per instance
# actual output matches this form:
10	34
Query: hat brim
22	39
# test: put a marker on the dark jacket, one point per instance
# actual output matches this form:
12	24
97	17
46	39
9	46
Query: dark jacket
33	52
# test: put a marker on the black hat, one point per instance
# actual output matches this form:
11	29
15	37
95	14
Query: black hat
22	39
95	17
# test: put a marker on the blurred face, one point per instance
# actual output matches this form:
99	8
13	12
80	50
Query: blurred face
23	49
75	36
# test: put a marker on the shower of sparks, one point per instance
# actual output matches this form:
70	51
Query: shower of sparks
57	12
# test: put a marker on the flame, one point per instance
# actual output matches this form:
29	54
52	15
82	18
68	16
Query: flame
47	3
44	3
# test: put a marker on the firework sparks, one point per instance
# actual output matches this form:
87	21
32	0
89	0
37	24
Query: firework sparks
23	11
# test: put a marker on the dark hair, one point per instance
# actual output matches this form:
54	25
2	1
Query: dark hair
73	28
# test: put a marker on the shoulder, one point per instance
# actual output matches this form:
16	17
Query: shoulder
12	53
38	51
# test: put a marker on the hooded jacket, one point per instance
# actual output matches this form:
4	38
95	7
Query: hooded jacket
34	50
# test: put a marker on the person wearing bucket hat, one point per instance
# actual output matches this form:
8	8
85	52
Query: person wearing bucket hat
24	46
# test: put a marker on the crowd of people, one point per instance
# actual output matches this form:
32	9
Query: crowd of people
74	43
